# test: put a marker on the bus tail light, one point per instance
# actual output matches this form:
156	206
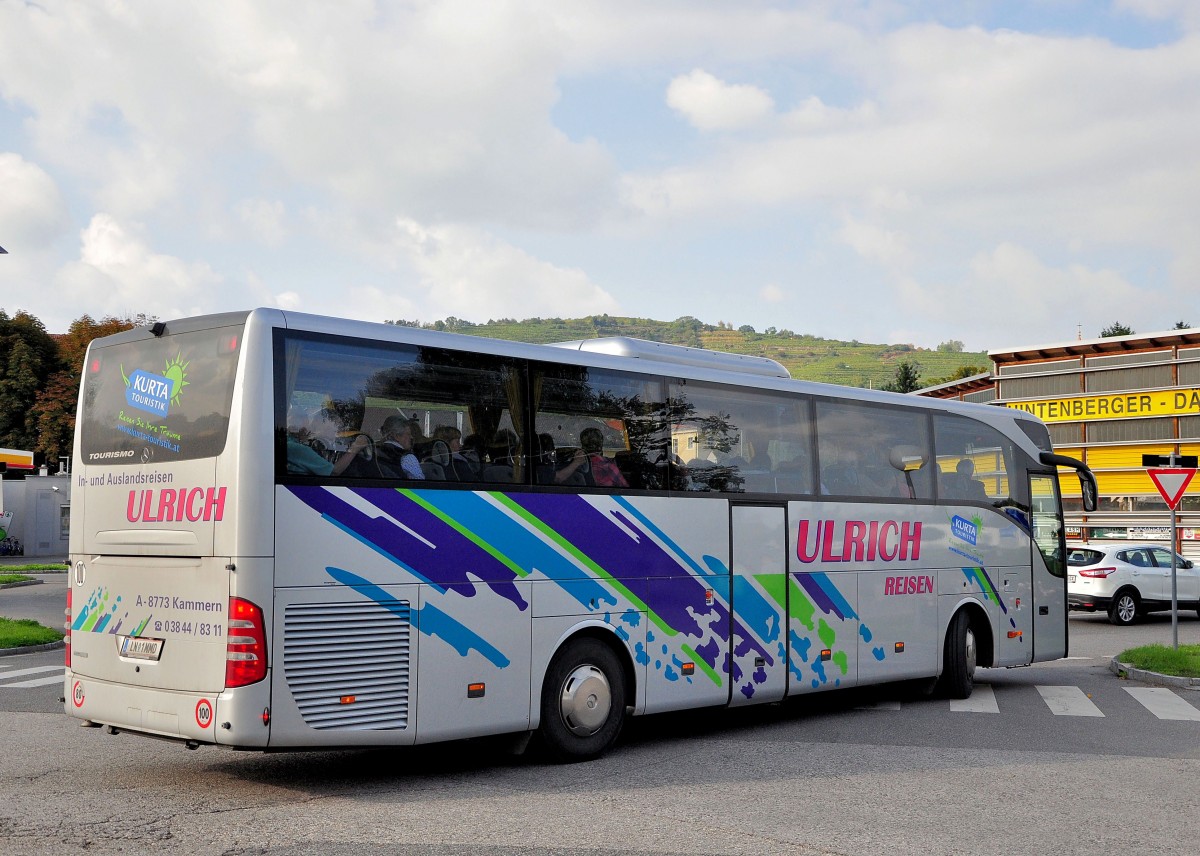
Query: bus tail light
67	628
246	645
1097	572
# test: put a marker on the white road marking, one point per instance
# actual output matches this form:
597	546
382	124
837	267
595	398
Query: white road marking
1163	703
1068	701
37	670
36	682
982	700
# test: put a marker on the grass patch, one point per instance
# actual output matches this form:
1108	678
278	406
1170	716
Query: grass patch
1183	662
57	566
13	578
19	632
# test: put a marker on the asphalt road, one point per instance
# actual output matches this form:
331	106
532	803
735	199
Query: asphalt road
859	772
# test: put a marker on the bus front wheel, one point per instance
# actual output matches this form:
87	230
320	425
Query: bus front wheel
583	701
958	664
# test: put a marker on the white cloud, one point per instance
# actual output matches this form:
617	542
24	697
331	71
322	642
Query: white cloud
875	243
265	220
1008	297
772	293
472	275
33	212
289	300
1184	11
280	144
119	274
713	105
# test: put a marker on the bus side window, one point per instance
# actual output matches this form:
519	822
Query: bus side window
855	442
973	461
573	403
730	440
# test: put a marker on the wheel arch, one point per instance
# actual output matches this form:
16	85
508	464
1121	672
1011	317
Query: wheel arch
606	635
981	626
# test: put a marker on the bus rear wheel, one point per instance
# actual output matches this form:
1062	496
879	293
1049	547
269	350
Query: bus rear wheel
583	701
958	662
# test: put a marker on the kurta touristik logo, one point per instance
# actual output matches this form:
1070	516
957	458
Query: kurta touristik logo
858	541
155	393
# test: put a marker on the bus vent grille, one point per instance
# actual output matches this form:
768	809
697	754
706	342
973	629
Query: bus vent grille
347	664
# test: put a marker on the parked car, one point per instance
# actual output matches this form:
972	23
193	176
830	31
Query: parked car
1128	579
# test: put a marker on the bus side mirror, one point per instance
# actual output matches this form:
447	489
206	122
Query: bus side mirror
1087	485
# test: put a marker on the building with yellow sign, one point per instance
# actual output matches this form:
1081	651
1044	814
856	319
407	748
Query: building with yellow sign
1108	402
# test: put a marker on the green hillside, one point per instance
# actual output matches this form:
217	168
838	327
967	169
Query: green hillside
807	357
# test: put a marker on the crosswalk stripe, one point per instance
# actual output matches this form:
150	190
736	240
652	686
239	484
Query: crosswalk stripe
36	682
1068	701
982	700
1163	703
37	670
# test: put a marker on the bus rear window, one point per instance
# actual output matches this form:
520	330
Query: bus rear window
159	399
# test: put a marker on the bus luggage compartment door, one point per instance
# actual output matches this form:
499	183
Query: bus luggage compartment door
344	665
759	603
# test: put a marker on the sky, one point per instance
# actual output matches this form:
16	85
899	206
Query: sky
1003	174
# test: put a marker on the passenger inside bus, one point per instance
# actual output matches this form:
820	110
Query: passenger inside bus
393	456
446	452
592	463
502	457
962	484
303	455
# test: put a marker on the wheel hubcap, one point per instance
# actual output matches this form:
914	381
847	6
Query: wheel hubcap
1125	608
970	652
585	701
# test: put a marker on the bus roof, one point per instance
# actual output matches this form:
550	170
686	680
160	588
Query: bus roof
625	346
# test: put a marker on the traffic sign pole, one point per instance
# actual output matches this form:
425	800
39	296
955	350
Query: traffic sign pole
1171	482
1174	584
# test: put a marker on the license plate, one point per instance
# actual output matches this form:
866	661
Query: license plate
140	647
1070	578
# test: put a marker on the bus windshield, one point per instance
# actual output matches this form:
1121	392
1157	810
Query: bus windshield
159	399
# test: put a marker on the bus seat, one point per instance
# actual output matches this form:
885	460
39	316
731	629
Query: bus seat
840	479
499	473
439	453
433	471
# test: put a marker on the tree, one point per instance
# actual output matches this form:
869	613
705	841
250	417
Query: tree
28	355
952	346
959	374
1116	329
906	379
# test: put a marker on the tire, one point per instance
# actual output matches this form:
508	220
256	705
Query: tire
958	664
1123	610
583	701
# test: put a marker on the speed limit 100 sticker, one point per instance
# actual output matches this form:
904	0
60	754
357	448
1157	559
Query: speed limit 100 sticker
204	713
77	694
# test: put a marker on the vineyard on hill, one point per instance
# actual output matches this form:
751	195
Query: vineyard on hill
849	363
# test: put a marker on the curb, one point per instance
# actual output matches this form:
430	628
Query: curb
20	583
31	649
1124	670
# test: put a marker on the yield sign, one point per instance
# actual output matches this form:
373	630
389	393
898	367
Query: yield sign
1171	483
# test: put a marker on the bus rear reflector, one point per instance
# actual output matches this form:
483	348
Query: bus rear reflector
246	645
67	628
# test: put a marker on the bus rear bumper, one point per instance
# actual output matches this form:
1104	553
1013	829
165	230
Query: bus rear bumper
192	718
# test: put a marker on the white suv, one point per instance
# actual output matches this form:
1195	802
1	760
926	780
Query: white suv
1128	579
